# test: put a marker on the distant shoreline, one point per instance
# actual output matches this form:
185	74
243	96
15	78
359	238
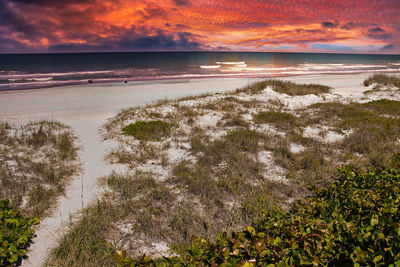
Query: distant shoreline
145	80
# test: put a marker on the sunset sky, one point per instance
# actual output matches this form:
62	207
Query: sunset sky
344	26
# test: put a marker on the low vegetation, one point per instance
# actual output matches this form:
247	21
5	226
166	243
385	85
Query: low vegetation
380	80
86	246
374	126
226	159
147	130
37	160
288	88
353	222
15	234
276	118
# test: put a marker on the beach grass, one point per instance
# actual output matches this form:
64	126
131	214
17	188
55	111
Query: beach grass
38	160
380	80
84	244
286	87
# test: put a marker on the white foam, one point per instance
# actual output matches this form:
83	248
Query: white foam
231	63
210	66
52	74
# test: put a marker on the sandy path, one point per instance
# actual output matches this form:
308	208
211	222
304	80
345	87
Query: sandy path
85	109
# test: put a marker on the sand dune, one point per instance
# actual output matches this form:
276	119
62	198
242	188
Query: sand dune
86	108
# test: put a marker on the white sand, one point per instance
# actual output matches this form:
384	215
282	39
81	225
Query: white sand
86	108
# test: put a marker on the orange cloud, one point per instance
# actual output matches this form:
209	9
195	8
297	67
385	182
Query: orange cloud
114	25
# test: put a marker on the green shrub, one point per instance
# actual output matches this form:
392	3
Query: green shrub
356	221
276	117
148	130
15	234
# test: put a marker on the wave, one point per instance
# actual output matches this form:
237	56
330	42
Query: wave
13	80
211	67
230	63
16	75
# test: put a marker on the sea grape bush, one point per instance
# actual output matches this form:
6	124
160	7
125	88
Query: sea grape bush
15	234
356	221
148	130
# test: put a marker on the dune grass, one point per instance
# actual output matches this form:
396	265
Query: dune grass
380	80
37	160
285	87
85	245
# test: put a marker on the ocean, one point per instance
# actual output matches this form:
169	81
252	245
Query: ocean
30	71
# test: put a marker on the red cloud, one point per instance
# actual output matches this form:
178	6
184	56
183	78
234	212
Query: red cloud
40	25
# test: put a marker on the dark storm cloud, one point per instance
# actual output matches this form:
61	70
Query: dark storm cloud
13	20
161	41
387	47
180	26
8	45
376	30
51	3
354	25
308	31
382	37
329	24
80	47
349	26
378	34
256	24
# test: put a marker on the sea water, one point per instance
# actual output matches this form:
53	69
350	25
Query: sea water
30	71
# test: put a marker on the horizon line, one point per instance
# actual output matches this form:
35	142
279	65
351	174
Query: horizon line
197	51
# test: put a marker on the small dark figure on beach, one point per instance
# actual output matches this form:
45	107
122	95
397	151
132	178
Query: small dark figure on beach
90	81
125	81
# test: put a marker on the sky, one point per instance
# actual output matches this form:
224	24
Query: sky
340	26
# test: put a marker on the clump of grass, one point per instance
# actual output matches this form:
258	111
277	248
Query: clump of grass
276	117
148	130
253	88
293	89
37	160
284	87
234	120
382	80
85	244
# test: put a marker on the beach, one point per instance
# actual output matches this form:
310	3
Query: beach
87	107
